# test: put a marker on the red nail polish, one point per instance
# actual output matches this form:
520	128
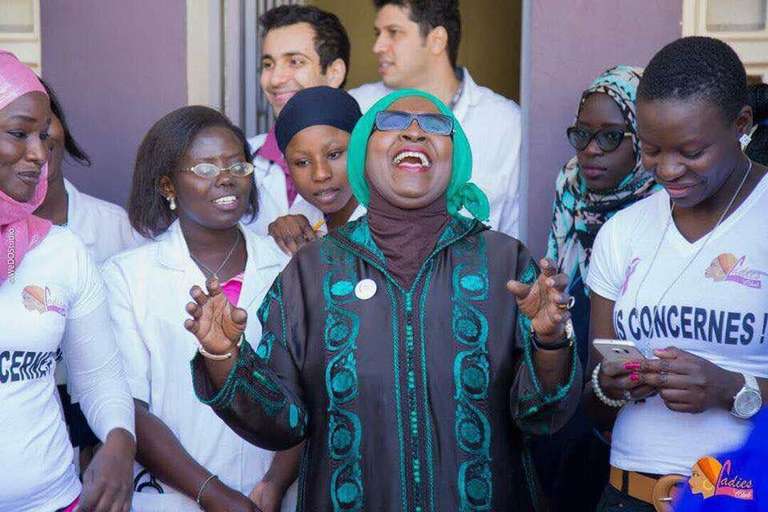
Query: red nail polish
631	365
634	377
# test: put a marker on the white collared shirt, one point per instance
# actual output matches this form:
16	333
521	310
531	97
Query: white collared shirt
148	288
493	126
102	226
317	218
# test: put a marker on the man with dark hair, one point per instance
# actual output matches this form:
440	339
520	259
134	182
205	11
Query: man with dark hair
417	45
303	46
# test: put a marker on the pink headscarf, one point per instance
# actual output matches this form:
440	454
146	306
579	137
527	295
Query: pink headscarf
20	231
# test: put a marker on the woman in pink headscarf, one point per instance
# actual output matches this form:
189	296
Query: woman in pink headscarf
51	302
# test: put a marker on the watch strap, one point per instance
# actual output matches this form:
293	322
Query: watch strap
750	386
750	381
566	342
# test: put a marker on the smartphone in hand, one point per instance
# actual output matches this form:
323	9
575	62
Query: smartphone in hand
617	350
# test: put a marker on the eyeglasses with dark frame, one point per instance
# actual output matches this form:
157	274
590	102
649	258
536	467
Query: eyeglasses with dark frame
607	139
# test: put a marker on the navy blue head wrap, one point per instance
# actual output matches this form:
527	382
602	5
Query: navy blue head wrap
316	106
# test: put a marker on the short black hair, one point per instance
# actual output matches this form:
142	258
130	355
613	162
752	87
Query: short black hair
697	67
159	155
70	144
430	14
331	39
758	100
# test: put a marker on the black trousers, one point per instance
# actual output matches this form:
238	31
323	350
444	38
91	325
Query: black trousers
614	500
80	434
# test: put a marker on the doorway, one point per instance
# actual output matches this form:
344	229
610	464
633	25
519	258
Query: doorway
490	41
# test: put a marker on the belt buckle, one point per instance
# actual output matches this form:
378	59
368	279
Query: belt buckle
666	491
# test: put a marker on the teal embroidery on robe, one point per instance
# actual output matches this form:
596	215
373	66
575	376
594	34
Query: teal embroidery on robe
260	387
410	452
398	408
471	375
427	409
260	384
340	337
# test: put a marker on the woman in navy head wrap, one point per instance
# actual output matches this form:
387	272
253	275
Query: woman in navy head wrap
313	133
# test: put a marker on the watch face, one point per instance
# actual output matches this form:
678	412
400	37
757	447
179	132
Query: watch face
747	402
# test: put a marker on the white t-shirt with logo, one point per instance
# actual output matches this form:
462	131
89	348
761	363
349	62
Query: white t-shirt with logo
717	309
56	300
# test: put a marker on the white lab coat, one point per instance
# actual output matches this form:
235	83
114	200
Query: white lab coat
493	126
102	226
148	288
314	215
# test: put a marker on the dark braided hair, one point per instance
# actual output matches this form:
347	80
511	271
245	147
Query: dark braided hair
758	148
697	68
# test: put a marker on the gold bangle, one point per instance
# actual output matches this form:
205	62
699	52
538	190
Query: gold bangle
218	357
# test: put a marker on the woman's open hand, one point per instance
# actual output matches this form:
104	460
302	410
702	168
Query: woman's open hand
217	325
544	302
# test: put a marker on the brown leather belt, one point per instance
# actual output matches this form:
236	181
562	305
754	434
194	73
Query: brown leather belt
658	491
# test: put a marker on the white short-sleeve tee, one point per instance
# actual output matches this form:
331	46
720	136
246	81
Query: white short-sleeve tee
716	308
54	283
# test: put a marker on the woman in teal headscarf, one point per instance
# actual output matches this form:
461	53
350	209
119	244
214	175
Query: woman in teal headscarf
410	364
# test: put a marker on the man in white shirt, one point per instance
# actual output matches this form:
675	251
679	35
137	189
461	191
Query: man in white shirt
303	46
417	45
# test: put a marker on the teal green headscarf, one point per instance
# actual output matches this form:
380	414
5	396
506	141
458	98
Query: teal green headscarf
461	193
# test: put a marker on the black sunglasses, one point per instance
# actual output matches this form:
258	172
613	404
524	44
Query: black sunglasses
607	140
393	120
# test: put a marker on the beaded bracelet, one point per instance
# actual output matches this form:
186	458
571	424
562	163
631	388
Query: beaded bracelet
610	402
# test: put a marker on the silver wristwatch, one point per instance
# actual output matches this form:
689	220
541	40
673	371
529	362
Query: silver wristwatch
748	400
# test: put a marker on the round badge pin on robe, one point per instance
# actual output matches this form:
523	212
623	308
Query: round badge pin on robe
365	289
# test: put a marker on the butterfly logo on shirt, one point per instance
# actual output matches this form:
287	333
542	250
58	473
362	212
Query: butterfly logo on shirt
728	268
42	300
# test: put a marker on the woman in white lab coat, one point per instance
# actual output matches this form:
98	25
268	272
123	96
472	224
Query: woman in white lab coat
191	186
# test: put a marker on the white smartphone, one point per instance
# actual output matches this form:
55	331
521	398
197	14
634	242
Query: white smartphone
617	350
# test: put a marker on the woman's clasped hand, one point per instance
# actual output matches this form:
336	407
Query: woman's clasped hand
684	381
